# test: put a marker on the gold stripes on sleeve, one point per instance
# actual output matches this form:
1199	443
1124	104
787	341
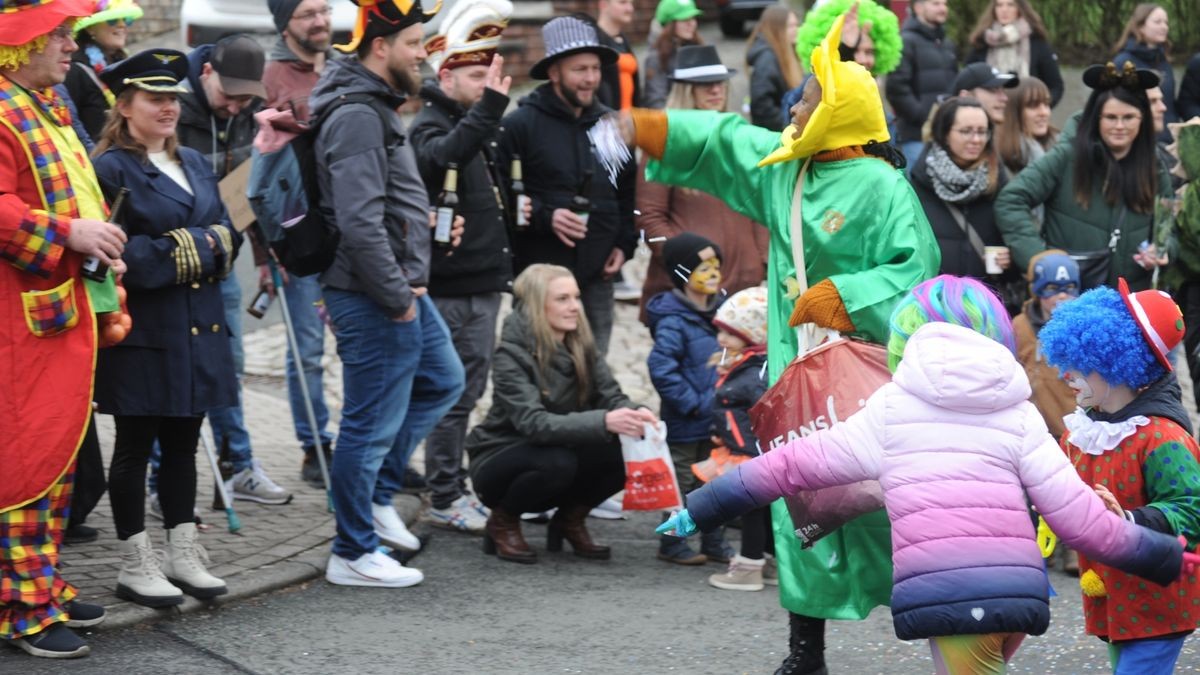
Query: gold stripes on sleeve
187	258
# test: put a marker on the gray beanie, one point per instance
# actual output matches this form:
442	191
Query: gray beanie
282	10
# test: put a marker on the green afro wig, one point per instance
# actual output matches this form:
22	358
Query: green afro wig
885	31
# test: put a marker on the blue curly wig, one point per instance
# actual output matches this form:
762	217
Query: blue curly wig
1097	334
961	301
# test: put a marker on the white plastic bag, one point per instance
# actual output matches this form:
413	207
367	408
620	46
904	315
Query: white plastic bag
650	483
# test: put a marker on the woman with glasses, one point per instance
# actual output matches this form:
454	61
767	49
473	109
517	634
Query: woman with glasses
957	178
1098	189
101	38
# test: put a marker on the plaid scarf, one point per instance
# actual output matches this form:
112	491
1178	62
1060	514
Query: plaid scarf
17	113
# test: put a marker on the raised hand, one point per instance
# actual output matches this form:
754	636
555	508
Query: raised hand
496	78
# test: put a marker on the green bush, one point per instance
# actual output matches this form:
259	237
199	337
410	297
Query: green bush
1083	31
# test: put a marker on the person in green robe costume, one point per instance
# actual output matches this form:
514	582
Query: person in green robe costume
866	243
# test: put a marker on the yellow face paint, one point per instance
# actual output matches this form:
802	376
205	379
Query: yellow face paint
706	278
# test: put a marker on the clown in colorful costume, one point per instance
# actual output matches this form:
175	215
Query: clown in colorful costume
866	242
1135	441
50	209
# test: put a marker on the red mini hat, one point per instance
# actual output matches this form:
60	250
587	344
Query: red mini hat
23	20
1159	318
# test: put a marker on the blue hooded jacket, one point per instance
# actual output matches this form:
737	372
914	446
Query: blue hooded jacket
684	341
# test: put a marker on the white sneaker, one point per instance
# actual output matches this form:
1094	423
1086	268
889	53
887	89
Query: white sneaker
255	485
391	528
474	503
460	516
371	569
610	509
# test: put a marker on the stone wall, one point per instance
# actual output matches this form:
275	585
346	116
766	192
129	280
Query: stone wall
160	16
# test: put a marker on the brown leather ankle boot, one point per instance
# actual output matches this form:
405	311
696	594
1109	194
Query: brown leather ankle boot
567	523
502	538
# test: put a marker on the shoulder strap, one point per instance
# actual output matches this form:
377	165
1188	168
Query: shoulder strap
808	335
972	235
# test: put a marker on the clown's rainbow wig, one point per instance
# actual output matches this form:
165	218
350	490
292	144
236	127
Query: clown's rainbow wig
948	299
1097	334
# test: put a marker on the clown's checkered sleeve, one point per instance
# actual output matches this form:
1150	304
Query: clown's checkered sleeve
31	240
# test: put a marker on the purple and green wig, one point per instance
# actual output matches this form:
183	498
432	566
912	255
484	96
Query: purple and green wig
961	301
1097	334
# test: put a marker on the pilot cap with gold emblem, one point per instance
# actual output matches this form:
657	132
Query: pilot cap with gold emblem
155	70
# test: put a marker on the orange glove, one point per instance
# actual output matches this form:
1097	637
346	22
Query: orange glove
823	306
650	130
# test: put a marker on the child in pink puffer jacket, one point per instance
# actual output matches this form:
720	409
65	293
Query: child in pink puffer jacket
956	445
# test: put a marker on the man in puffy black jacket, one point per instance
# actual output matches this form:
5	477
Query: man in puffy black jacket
928	66
549	132
459	124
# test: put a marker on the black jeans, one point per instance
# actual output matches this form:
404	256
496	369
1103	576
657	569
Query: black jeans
177	437
536	478
757	536
89	477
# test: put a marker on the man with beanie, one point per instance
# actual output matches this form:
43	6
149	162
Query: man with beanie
400	371
592	234
683	373
459	125
292	70
48	323
216	118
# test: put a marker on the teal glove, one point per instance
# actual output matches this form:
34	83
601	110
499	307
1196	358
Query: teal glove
680	524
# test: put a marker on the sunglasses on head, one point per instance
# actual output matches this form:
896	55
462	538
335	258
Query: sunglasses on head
1051	290
118	22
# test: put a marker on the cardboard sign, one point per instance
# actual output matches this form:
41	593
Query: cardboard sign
233	193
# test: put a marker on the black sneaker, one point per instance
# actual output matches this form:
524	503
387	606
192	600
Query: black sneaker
80	534
83	614
412	481
55	642
310	470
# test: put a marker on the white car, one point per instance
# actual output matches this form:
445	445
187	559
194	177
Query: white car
206	21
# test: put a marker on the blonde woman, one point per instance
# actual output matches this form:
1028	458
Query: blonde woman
774	67
550	437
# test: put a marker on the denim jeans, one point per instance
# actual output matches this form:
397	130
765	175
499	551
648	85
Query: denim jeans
230	423
302	295
912	151
398	380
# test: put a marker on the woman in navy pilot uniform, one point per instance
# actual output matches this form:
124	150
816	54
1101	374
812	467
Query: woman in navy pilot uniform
176	363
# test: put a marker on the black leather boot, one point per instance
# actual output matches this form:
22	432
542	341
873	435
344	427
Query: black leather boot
806	646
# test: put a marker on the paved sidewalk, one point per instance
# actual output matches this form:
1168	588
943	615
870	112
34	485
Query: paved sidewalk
283	545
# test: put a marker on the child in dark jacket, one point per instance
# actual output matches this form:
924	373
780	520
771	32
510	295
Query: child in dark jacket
741	380
680	322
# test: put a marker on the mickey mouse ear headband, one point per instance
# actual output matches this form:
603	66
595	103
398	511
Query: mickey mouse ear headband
1108	76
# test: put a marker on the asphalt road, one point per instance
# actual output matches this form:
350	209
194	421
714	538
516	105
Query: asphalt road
477	614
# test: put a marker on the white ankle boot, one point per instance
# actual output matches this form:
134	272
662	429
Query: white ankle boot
185	564
141	578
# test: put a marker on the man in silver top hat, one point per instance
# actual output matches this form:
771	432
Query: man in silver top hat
549	132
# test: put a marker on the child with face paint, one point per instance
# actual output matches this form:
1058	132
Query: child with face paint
956	446
680	322
1132	439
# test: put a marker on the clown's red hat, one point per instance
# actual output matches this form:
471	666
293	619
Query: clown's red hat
1159	318
23	20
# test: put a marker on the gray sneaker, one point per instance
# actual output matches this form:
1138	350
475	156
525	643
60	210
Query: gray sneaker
255	485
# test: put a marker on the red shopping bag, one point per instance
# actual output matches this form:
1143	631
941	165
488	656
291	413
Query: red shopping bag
816	391
649	473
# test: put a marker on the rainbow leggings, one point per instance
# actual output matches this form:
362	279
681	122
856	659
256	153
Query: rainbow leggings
986	654
32	591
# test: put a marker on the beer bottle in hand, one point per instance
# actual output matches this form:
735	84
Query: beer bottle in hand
518	189
447	206
581	204
92	267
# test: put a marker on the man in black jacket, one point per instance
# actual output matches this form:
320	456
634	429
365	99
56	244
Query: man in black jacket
459	125
928	66
550	133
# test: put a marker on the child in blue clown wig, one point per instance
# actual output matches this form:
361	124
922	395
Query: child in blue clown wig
1132	439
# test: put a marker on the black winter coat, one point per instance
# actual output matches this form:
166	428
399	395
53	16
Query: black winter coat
767	86
177	360
83	84
1188	102
737	392
1153	58
958	256
445	132
1043	64
927	69
555	152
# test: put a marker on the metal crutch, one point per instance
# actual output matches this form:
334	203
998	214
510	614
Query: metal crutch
206	439
277	279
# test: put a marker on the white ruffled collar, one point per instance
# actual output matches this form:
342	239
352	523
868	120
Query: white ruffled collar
1095	437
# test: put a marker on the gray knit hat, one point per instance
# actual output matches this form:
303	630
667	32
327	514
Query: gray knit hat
282	11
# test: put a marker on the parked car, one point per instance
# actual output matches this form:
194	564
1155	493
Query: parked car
735	13
206	21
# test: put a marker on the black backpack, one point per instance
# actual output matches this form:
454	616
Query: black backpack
284	193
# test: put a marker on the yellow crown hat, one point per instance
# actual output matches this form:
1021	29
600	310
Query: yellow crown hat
850	111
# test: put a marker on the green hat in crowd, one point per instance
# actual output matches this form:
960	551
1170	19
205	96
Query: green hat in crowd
111	10
675	10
